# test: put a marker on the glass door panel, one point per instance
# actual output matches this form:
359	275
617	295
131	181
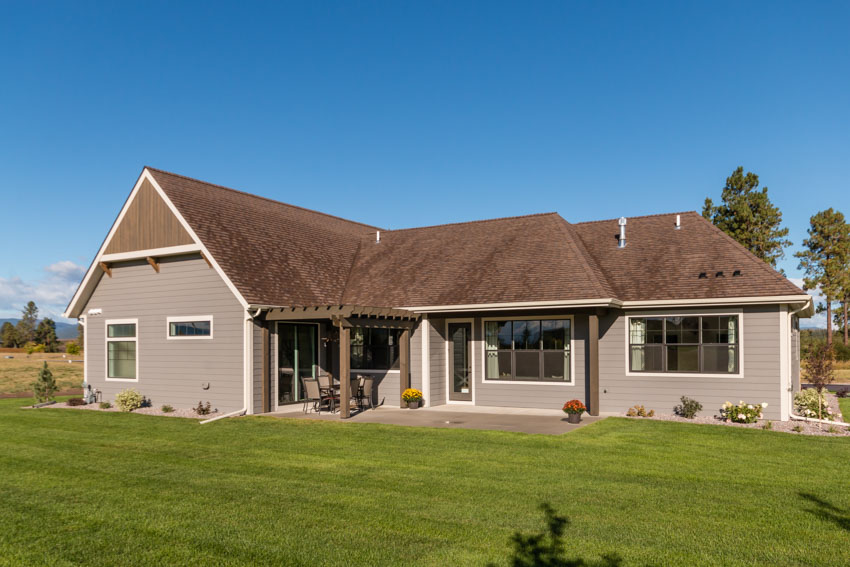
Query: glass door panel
297	359
460	363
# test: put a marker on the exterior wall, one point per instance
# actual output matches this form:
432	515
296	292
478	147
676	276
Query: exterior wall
257	367
761	381
437	347
416	357
795	355
170	371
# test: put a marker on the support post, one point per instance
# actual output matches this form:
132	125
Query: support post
593	364
344	372
404	364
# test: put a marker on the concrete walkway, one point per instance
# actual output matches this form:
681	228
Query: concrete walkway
550	422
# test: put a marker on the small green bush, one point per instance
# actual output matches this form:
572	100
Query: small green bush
688	408
33	347
202	409
640	411
743	412
167	409
768	425
44	388
129	400
797	428
811	403
105	405
72	348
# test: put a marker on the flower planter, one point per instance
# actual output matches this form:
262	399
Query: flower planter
574	417
412	405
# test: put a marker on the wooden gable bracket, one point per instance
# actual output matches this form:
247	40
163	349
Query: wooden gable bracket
154	264
207	260
106	269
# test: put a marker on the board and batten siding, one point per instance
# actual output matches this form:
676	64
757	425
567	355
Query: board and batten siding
171	371
761	380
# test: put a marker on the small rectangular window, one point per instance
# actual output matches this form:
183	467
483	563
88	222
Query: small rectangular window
190	327
121	350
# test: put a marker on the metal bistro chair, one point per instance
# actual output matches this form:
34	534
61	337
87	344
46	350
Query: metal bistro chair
317	397
365	392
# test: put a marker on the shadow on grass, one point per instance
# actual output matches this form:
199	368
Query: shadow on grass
827	511
546	548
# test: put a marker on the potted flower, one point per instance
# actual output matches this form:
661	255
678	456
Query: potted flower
574	409
412	396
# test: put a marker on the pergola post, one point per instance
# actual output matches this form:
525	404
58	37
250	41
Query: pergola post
344	371
404	364
593	364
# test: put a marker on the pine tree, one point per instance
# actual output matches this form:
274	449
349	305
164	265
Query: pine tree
747	215
26	326
81	335
45	334
8	335
45	387
825	259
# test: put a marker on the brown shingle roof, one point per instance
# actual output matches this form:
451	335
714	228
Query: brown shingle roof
278	254
660	262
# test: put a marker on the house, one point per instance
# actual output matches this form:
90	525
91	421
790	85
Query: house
200	292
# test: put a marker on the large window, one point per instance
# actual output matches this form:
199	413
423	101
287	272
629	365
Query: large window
121	354
699	344
374	349
196	327
533	350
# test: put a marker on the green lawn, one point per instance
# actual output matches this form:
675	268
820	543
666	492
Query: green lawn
844	404
113	489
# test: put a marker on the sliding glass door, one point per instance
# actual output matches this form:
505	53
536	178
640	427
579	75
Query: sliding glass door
298	358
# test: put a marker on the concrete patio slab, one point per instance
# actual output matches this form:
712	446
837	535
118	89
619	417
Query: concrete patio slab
521	420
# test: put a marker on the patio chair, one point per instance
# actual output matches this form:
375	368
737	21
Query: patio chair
326	383
365	392
315	395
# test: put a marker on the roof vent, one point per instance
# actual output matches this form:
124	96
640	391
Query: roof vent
703	275
720	274
621	242
378	237
678	222
736	274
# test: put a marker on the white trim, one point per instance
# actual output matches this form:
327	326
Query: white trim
784	363
740	346
721	301
152	252
107	340
248	364
188	319
472	381
82	321
610	302
425	328
572	381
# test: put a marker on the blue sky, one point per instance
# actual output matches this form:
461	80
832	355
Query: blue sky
404	114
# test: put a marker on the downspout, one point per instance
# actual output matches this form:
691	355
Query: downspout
795	417
248	366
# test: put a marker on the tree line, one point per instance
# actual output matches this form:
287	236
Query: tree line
30	332
747	215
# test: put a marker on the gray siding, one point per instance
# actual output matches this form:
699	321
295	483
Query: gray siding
171	371
416	357
257	367
795	355
437	345
760	357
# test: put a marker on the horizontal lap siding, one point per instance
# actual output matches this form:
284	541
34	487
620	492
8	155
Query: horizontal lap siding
258	367
543	396
438	362
171	371
761	364
416	357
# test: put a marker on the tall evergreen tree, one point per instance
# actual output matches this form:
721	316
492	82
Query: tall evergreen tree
747	215
8	335
825	259
45	334
81	335
26	326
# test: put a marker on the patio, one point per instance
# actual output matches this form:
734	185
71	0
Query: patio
521	420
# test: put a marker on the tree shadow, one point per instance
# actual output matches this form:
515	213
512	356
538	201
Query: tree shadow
827	511
546	548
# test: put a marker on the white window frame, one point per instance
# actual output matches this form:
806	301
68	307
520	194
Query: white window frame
564	384
673	375
108	340
188	319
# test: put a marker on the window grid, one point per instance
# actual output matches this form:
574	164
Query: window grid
498	354
640	346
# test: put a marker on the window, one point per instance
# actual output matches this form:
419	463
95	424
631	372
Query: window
706	344
374	349
121	353
528	350
195	327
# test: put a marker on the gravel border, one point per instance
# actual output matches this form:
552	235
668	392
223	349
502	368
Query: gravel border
807	428
178	412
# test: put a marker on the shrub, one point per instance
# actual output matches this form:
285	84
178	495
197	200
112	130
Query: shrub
203	409
44	387
411	395
819	365
105	405
640	411
76	402
812	403
797	428
832	429
72	348
743	412
33	347
129	400
768	425
167	409
842	393
574	406
688	408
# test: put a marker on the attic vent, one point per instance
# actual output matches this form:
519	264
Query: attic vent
703	275
378	237
621	242
720	274
736	273
678	222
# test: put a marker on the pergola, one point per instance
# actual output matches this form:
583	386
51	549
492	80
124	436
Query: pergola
346	317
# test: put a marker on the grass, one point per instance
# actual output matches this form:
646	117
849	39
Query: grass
17	374
82	487
842	371
844	405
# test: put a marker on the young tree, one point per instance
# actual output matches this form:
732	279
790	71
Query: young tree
81	335
747	215
45	334
45	387
820	370
26	326
8	335
825	258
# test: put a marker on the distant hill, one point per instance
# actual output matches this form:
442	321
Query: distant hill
63	330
